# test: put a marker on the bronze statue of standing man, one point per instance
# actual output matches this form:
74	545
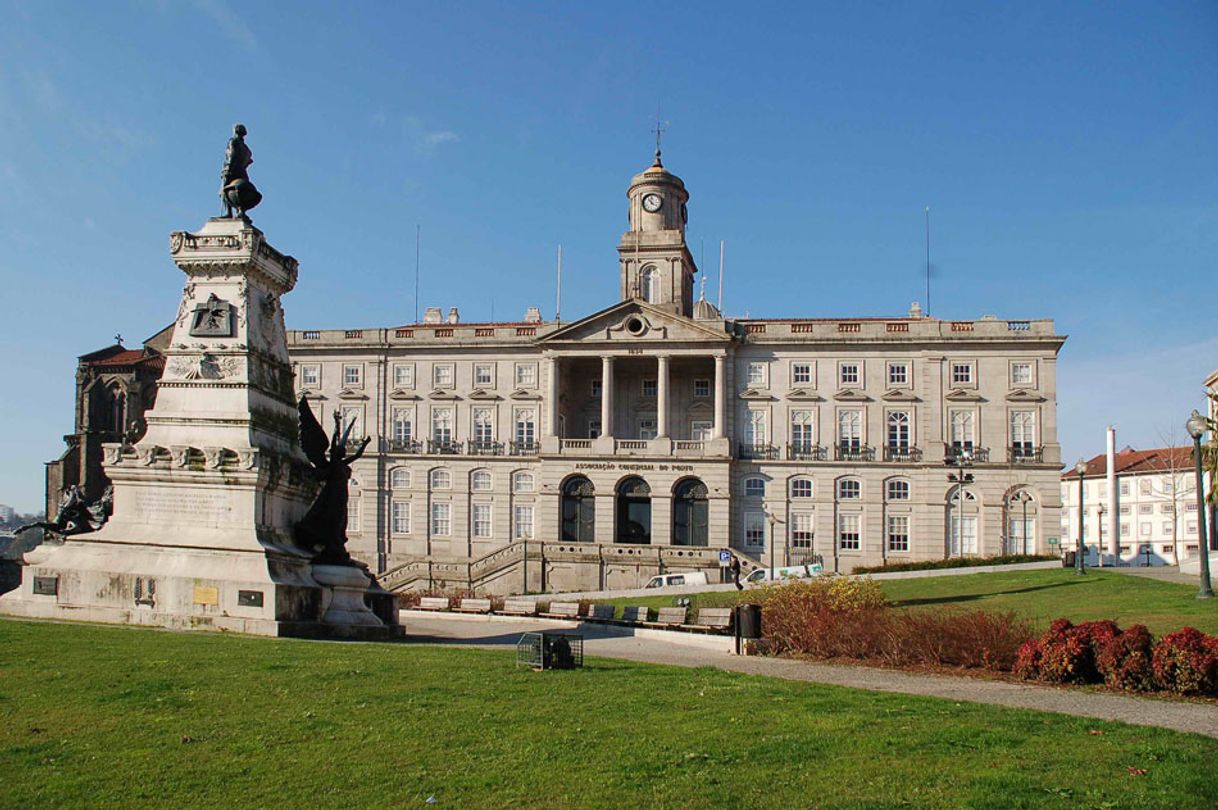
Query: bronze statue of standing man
236	191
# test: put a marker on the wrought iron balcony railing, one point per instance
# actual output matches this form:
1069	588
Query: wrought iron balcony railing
805	451
477	448
405	446
965	454
850	452
524	448
903	454
1025	454
763	452
443	447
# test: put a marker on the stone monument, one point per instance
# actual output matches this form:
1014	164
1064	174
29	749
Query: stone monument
206	503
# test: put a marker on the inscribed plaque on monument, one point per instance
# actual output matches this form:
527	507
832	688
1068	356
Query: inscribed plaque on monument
206	595
213	318
46	586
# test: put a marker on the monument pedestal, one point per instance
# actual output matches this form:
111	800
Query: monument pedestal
205	502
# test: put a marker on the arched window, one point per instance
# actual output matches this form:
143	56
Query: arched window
897	490
522	482
480	481
649	285
578	510
690	514
399	478
441	479
801	487
849	489
633	511
1021	522
754	487
964	524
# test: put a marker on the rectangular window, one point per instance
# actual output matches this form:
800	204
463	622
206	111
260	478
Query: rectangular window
801	374
848	532
441	519
962	429
964	534
353	417
1124	509
1021	373
1145	487
596	387
353	375
898	430
849	374
442	375
754	529
801	530
401	517
353	515
310	376
1146	509
1124	487
1191	528
522	523
484	374
649	388
962	374
403	375
702	388
802	429
850	430
1145	529
1124	530
647	428
1023	433
1165	508
1021	535
898	532
755	429
594	428
484	426
442	424
403	425
526	375
481	518
757	374
700	430
1168	529
526	427
898	375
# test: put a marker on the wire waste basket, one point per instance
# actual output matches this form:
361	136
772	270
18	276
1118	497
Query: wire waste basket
550	650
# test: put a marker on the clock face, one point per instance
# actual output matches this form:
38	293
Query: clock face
652	202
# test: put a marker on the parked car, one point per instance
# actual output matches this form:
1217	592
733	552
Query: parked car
668	580
786	572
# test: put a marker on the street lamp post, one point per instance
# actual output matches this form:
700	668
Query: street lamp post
1196	427
1099	547
773	520
1023	498
1081	469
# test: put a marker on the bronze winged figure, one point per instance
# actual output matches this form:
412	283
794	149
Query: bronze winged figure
323	530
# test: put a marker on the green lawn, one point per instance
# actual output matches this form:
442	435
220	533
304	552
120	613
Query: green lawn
104	716
1042	595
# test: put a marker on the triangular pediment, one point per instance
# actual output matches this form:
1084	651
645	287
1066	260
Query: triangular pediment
851	395
483	394
440	393
756	394
1023	395
635	321
351	393
899	395
960	395
400	394
804	395
312	395
524	393
700	407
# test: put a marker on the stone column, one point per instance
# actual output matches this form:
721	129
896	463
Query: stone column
720	398
607	397
662	396
552	397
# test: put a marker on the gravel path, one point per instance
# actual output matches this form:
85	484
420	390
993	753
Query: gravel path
610	642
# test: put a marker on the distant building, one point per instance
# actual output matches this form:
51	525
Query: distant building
114	386
7	513
1156	503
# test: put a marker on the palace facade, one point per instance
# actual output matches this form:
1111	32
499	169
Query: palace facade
653	434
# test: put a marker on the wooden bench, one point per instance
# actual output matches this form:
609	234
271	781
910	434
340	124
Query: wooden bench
518	607
562	610
633	615
711	620
668	617
601	613
433	603
474	606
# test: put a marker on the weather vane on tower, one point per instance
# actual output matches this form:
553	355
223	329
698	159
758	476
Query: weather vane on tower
661	128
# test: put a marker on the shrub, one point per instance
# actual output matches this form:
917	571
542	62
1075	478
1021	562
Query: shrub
956	562
1186	662
1068	653
975	638
410	599
1125	661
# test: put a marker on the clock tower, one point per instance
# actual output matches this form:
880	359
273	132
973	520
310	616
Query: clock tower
656	265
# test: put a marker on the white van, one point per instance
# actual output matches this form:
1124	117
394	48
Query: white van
670	580
786	572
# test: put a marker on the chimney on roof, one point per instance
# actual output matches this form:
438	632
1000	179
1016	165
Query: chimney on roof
454	316
432	315
532	315
915	310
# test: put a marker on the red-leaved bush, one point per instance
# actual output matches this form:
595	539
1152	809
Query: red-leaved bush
1125	661
1066	653
1186	662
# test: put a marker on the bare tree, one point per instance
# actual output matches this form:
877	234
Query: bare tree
1174	483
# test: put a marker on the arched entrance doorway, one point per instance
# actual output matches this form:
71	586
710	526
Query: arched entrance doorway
578	510
690	513
633	511
1021	522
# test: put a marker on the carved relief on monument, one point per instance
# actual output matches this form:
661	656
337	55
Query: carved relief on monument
213	318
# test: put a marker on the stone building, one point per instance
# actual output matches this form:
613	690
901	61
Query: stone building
654	433
1156	504
114	387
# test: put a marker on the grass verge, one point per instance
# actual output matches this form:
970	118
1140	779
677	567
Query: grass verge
130	717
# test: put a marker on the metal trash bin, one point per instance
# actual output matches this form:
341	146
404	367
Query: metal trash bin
1069	559
747	622
550	650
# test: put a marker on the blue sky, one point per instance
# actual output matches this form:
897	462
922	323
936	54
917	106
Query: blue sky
1066	150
